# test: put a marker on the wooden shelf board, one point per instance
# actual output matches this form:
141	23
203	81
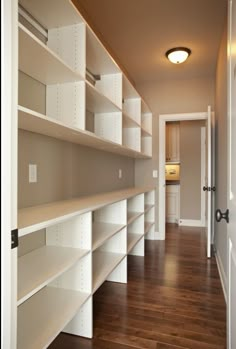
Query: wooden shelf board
98	60
42	317
41	63
103	264
128	122
38	217
104	231
132	240
147	226
39	267
131	216
148	208
44	12
96	102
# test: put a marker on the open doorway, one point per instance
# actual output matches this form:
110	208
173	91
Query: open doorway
207	195
185	170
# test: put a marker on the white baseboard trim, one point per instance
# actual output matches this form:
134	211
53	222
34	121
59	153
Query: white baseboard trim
172	220
191	223
223	278
159	236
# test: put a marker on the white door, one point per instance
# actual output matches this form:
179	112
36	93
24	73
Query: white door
9	57
231	227
209	188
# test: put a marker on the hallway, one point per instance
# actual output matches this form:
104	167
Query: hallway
173	300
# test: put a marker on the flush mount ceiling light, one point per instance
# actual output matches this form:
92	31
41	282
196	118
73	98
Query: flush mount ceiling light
178	55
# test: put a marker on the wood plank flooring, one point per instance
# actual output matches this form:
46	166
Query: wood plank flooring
173	300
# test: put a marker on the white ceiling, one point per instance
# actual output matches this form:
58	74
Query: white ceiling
139	32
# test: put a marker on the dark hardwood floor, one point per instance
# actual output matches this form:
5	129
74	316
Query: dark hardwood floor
173	300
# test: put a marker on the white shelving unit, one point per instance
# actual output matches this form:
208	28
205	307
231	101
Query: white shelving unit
32	121
149	215
87	242
92	108
135	207
52	69
44	316
146	129
103	231
89	101
135	232
103	264
41	266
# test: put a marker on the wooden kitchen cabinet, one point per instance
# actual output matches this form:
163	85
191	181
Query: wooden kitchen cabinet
172	203
172	142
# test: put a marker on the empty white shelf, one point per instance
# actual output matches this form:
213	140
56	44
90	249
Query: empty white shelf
148	208
145	132
103	264
132	240
39	217
39	267
103	231
131	216
96	102
44	12
98	60
147	226
42	317
41	63
32	121
128	122
129	92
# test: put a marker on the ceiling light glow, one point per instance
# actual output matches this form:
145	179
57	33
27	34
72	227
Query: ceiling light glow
178	55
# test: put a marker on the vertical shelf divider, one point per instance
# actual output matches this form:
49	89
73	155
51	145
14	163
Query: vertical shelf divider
76	232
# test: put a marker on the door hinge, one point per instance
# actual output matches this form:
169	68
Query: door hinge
14	238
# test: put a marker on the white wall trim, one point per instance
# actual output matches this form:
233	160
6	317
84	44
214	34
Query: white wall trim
159	236
203	175
172	220
191	223
222	274
184	116
163	118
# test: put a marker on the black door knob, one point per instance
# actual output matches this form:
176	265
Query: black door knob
209	188
219	215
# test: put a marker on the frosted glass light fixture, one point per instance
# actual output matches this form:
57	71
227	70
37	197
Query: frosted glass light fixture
178	55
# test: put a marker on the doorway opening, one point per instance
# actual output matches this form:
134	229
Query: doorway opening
185	170
209	159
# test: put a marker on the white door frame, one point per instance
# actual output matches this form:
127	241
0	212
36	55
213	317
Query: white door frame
163	118
9	88
231	169
203	175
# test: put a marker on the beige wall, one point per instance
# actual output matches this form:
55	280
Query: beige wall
221	151
65	170
190	169
170	97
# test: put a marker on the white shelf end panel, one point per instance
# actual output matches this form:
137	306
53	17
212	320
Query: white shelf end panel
42	317
40	62
103	231
132	240
103	264
39	267
44	12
